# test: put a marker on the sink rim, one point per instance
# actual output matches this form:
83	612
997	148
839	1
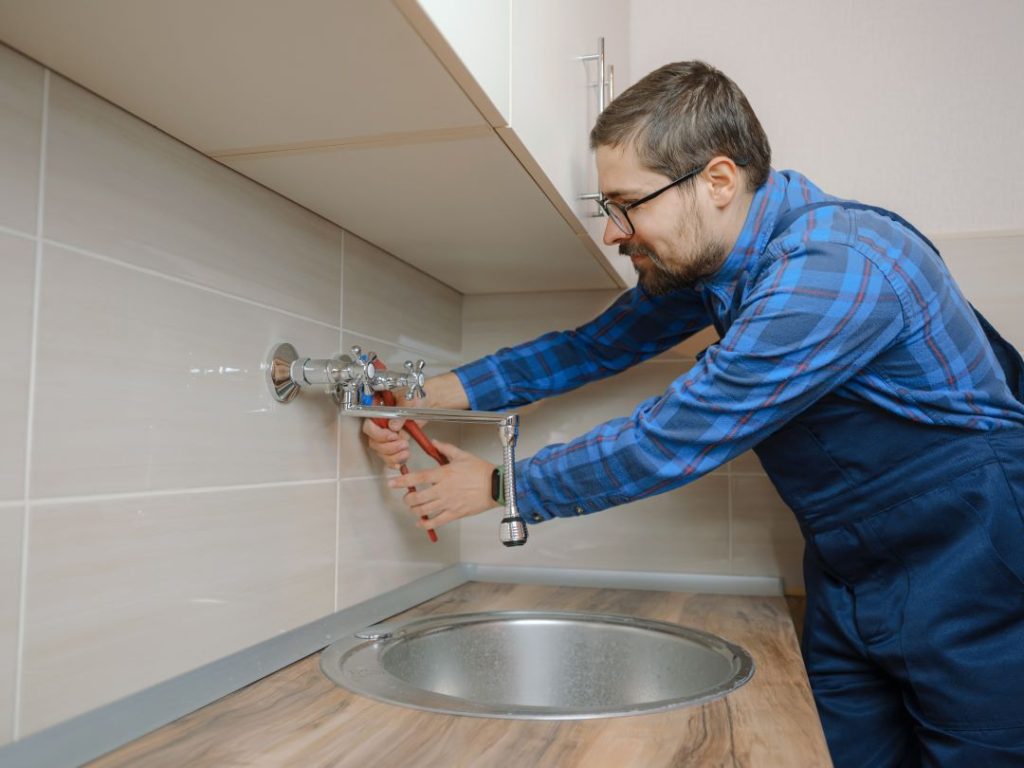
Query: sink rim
353	663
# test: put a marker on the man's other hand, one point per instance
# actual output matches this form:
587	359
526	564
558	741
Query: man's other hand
450	492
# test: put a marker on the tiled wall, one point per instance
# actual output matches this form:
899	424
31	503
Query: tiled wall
730	521
157	509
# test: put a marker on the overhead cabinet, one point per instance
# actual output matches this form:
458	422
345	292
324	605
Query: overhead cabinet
435	147
540	71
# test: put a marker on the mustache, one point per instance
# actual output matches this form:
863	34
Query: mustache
635	249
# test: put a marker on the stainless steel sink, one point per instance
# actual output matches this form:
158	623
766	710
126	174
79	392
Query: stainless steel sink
537	665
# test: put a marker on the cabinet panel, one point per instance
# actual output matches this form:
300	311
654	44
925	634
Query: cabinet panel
470	214
555	96
246	73
479	32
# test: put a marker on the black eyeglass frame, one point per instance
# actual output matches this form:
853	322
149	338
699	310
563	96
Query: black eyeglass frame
607	205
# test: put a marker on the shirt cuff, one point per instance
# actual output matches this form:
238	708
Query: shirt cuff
484	385
529	504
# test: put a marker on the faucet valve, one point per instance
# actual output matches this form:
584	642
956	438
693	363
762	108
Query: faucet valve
414	379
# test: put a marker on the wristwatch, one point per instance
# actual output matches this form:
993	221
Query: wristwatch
497	486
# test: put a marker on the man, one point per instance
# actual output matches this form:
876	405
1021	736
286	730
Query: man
849	360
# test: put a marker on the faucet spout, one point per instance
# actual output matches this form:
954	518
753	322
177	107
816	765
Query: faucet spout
352	408
513	532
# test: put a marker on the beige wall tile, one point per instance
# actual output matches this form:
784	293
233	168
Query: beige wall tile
168	389
117	187
387	299
685	530
21	121
379	547
17	286
501	320
125	593
11	517
766	538
746	464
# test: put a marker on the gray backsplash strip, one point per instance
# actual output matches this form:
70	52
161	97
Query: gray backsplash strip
666	582
106	728
103	730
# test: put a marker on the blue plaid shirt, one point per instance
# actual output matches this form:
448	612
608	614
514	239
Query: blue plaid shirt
845	301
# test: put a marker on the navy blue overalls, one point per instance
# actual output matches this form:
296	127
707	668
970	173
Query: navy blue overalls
914	567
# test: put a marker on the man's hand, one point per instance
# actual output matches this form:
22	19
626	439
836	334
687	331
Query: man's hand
458	489
388	443
443	391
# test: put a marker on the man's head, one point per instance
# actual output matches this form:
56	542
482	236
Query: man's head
683	118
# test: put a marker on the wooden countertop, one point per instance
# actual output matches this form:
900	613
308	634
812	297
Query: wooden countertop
297	717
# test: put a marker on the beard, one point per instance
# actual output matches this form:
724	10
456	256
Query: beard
658	277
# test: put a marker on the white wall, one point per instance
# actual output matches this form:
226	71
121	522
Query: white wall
157	509
911	104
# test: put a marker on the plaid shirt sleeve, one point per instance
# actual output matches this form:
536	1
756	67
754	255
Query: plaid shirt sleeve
631	330
808	322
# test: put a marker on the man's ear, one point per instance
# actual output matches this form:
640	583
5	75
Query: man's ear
724	180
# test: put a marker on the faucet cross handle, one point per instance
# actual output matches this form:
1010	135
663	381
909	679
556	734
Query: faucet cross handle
414	379
365	377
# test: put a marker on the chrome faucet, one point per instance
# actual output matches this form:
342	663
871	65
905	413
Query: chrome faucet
347	378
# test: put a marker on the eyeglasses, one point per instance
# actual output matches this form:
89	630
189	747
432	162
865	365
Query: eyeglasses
619	213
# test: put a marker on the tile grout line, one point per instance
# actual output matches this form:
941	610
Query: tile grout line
337	520
728	501
454	358
160	493
337	427
181	281
19	654
17	233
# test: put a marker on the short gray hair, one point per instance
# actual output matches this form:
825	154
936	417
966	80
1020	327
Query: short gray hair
682	115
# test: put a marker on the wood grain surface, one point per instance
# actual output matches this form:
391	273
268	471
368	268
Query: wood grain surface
297	717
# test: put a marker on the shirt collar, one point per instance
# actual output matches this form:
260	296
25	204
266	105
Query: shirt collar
769	200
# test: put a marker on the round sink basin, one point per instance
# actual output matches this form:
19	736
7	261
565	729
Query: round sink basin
537	665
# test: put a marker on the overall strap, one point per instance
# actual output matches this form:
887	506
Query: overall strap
1007	355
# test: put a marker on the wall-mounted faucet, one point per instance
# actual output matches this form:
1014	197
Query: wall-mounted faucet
347	378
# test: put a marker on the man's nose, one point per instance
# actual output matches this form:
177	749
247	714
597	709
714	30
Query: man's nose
612	234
